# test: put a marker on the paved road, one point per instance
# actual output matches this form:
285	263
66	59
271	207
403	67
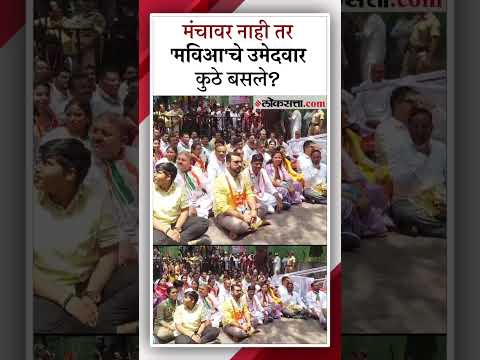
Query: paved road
285	331
304	224
395	284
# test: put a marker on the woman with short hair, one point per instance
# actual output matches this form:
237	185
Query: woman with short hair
191	323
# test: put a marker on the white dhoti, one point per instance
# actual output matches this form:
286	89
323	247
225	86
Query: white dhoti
267	200
215	319
258	316
202	203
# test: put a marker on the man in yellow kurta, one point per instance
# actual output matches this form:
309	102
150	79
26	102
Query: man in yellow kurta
234	203
236	317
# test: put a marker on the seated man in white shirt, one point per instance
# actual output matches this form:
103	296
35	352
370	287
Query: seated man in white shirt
304	160
317	303
282	289
315	177
419	201
257	312
210	304
370	106
393	145
196	184
225	292
170	211
250	148
293	305
217	164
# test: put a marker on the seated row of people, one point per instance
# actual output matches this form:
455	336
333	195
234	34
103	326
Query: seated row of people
239	194
195	314
404	178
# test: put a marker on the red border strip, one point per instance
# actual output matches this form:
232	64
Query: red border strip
146	7
12	18
331	353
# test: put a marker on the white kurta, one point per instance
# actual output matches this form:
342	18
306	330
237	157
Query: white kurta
199	198
374	44
215	168
255	308
263	188
295	122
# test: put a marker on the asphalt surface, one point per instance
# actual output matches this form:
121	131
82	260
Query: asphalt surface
304	224
396	284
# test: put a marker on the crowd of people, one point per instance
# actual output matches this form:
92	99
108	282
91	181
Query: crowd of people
393	154
212	259
200	114
237	177
194	299
393	171
85	159
409	43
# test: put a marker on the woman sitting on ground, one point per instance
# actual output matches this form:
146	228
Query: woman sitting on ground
290	190
272	309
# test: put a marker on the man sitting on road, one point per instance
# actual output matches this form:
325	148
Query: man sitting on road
234	203
315	176
317	303
196	185
237	322
170	211
293	306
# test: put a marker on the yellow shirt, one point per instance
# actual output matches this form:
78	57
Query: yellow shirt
231	310
222	196
167	205
189	319
66	241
